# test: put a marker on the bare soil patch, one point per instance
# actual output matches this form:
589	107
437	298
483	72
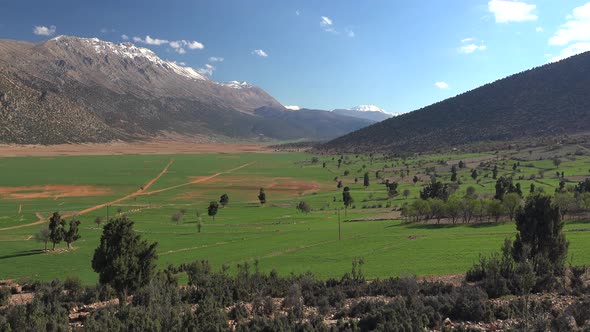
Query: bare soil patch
276	184
52	191
119	148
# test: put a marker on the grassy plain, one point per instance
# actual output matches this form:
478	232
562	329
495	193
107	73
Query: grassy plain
276	235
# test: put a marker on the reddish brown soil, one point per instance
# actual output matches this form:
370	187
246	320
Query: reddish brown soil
151	147
52	191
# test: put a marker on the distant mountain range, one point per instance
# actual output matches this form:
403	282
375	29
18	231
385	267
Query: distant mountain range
547	101
368	112
70	89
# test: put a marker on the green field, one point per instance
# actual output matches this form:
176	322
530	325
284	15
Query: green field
276	235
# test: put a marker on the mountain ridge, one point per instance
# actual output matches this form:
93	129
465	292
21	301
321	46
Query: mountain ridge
545	101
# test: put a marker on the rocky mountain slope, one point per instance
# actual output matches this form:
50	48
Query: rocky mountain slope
70	89
547	101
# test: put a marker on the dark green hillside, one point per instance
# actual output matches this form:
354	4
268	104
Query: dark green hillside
551	100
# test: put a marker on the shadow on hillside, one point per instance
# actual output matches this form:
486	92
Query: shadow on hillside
23	253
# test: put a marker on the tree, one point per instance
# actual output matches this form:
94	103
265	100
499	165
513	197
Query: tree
262	196
72	234
346	199
339	185
437	208
512	203
556	162
470	192
406	193
123	259
453	173
392	189
565	202
56	229
303	207
435	189
474	174
495	172
366	180
503	186
583	187
223	200
461	164
415	179
177	217
212	209
98	221
495	209
540	239
532	190
43	236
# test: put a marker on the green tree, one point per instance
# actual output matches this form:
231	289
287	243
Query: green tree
415	179
437	208
98	221
512	203
56	229
532	189
541	239
474	174
346	198
406	193
43	236
72	233
565	202
303	207
262	196
495	209
366	180
123	259
212	209
435	189
223	200
495	172
453	173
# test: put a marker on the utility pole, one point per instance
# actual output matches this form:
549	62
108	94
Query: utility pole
108	213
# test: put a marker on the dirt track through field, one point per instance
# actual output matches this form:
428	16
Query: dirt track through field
141	191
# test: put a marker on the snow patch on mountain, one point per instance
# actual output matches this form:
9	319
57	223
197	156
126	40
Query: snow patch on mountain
129	50
368	108
236	84
292	107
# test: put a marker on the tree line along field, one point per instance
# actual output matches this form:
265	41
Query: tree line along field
167	196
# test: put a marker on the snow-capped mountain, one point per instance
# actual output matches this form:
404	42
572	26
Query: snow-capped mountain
368	112
90	90
367	108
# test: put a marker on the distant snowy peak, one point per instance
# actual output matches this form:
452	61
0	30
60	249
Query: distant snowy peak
292	107
129	50
236	84
367	108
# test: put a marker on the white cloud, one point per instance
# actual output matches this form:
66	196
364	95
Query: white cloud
124	37
507	11
350	33
297	12
207	70
150	41
327	24
292	107
41	30
216	59
539	29
260	53
179	45
576	29
571	50
470	48
467	40
442	85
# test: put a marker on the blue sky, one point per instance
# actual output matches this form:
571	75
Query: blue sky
399	55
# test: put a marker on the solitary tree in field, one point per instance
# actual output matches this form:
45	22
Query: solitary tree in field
303	207
339	185
532	190
56	229
366	180
474	174
346	199
123	259
556	162
453	173
177	217
495	172
43	236
461	164
72	234
406	193
223	200
262	196
415	179
212	209
98	221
